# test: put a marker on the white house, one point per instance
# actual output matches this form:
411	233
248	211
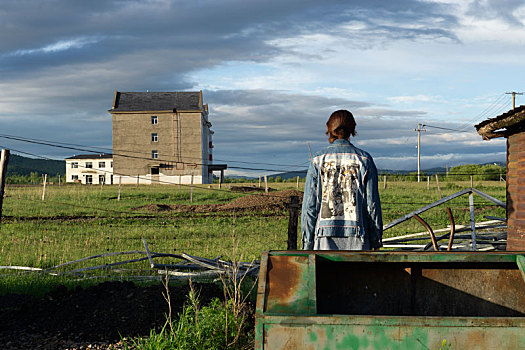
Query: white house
90	169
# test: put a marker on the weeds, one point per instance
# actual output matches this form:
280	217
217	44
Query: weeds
219	325
214	326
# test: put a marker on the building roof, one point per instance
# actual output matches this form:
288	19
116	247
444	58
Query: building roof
92	156
156	101
503	125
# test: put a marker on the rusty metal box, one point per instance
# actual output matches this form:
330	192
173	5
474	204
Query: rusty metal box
390	300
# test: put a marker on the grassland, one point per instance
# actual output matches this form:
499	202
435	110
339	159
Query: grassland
77	221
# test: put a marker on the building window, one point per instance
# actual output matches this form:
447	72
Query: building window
111	165
74	177
154	137
101	164
89	165
154	154
89	179
101	179
74	165
154	119
210	157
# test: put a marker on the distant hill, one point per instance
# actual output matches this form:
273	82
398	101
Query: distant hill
19	165
431	171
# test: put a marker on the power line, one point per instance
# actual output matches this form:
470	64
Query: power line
483	114
48	143
442	128
89	149
157	181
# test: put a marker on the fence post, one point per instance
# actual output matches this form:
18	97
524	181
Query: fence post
4	159
292	222
119	183
44	178
297	182
220	178
58	180
428	183
259	182
384	182
439	189
471	181
265	184
138	178
191	189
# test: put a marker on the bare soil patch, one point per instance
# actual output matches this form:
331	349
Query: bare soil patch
275	201
96	316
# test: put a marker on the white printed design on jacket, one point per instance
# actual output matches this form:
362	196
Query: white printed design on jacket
340	183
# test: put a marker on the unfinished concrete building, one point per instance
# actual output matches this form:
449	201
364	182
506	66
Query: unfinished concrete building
162	137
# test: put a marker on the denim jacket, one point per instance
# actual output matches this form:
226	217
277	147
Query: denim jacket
341	198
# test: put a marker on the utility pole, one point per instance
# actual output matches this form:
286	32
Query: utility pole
514	93
419	126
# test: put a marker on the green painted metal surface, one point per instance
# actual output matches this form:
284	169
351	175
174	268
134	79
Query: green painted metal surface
390	300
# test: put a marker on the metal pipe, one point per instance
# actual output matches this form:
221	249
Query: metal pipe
452	229
429	229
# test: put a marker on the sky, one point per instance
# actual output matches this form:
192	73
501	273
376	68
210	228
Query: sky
271	71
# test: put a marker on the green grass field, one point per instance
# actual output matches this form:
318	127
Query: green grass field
77	221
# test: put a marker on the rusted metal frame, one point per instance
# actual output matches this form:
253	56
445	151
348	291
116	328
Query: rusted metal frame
490	198
312	285
520	261
416	321
292	253
452	229
429	229
261	288
260	319
414	257
472	219
425	208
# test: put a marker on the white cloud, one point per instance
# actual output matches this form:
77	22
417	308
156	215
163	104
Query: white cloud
415	98
61	45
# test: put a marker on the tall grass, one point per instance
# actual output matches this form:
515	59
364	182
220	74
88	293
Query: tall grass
76	221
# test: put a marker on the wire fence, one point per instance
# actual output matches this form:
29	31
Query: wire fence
90	219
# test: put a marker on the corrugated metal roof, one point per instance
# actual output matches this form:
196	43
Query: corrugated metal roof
92	156
156	101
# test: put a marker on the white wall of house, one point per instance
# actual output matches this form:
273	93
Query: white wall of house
90	171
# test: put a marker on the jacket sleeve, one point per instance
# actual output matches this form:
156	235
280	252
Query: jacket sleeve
309	210
374	223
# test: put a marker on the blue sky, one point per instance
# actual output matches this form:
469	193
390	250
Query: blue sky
271	71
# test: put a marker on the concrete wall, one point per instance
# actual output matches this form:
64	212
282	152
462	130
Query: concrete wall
179	146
